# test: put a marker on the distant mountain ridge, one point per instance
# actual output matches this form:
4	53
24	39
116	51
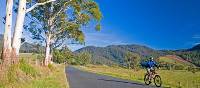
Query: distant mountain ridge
116	53
25	48
195	48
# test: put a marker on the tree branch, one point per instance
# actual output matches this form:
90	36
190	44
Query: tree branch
56	14
38	4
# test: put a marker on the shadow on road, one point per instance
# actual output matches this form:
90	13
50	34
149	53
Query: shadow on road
120	81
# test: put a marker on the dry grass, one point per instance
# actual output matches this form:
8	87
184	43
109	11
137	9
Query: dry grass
28	75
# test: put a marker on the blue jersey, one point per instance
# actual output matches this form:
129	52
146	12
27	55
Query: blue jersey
151	64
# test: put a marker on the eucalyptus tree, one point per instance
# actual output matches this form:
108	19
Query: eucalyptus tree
7	31
60	21
24	6
132	60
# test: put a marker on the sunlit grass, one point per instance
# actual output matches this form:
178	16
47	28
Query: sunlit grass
45	79
170	78
27	75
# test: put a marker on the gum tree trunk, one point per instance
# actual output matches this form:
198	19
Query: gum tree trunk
18	29
48	41
7	32
47	51
16	42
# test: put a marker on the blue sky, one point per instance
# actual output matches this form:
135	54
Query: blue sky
159	24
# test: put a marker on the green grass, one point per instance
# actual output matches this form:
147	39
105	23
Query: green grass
56	79
46	79
27	68
28	75
170	78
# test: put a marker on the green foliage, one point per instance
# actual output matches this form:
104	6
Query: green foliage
63	55
98	27
114	54
132	60
51	67
65	25
58	56
84	58
27	68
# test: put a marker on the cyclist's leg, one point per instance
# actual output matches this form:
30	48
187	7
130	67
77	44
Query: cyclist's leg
149	73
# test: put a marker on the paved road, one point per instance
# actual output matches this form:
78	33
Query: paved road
82	79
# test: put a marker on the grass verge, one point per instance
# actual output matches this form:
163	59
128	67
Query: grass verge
24	75
170	78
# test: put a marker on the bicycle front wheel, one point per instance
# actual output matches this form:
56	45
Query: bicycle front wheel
157	81
146	79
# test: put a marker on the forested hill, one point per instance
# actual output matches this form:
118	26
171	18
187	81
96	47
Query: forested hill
195	48
191	55
116	53
26	47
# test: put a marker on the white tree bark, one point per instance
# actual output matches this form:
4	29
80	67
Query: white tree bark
38	4
48	40
7	30
19	27
47	51
16	43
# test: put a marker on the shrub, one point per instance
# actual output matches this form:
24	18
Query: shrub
84	58
51	67
179	67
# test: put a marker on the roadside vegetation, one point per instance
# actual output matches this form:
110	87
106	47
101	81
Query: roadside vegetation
175	73
28	74
170	78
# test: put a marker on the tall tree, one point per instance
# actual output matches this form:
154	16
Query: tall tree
132	60
22	10
63	21
7	31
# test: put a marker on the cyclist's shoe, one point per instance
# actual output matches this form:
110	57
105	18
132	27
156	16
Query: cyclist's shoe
150	82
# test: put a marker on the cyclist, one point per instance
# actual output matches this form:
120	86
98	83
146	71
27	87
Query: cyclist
151	74
151	64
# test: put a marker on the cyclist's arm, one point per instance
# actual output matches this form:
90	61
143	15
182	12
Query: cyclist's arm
156	64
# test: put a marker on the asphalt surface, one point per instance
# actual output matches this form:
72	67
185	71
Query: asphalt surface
83	79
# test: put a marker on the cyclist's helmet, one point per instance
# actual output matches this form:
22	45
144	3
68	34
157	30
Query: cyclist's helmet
151	58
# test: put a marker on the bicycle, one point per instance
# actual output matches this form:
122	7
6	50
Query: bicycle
153	75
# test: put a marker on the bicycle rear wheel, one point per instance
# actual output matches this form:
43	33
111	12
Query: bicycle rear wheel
146	79
157	81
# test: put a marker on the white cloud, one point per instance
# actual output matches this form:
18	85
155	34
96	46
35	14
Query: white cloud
197	43
75	47
196	36
100	39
